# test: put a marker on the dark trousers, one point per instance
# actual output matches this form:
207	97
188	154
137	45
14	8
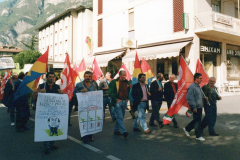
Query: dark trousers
195	123
48	144
156	105
12	112
22	116
70	110
210	118
169	102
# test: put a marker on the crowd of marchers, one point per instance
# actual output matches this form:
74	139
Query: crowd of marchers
116	94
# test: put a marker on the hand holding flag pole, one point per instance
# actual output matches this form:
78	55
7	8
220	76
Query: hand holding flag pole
205	97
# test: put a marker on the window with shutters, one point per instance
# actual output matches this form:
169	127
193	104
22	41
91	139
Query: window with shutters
100	33
131	19
100	6
178	15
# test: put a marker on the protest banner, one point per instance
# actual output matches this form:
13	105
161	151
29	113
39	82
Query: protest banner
51	120
6	63
90	112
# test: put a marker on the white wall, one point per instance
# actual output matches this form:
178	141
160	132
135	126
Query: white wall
115	27
111	5
153	19
204	6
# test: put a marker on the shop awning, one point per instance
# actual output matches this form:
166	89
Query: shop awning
102	60
156	52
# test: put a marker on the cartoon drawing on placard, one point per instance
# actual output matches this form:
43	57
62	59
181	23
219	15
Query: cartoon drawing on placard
53	125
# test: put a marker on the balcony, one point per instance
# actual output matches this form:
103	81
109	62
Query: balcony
217	25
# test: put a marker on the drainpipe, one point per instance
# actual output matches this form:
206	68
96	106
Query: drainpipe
238	8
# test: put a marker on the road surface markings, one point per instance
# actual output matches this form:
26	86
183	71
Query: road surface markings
112	157
86	145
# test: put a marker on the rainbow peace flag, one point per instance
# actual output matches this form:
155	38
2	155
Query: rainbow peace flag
137	70
147	70
30	82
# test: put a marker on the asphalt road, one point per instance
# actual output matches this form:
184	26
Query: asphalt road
166	143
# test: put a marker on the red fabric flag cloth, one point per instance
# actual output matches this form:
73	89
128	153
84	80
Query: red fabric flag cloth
146	69
68	78
123	67
6	76
185	79
200	69
81	69
97	72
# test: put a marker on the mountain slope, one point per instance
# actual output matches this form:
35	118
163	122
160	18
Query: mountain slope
20	18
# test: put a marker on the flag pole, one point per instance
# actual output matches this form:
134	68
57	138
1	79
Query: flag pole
200	88
45	82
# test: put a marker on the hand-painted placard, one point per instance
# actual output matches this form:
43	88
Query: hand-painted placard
90	112
51	120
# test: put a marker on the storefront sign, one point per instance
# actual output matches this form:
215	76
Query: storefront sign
185	20
129	43
233	52
149	57
210	49
223	19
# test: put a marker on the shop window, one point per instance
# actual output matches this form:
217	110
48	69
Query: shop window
100	33
100	6
237	13
233	63
131	19
160	67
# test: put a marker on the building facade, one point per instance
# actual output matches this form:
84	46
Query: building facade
6	51
157	31
66	33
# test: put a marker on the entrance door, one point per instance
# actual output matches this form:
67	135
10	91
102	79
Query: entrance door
207	60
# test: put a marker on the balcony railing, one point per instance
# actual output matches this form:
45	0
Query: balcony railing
217	21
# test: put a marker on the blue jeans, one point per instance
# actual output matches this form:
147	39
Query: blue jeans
141	116
107	101
120	112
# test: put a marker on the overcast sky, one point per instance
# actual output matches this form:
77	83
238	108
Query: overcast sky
2	0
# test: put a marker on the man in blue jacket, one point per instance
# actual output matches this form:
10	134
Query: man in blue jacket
195	100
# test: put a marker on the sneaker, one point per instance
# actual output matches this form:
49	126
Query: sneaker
213	134
136	130
12	124
186	132
200	139
147	131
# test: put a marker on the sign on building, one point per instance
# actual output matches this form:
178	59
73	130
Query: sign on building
223	19
129	43
210	49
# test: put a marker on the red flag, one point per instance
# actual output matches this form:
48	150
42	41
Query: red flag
81	69
147	70
123	67
68	79
6	76
200	69
185	79
97	72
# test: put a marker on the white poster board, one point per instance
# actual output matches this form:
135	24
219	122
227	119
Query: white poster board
6	63
51	119
90	112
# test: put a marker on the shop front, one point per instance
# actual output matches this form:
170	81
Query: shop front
162	57
208	56
233	64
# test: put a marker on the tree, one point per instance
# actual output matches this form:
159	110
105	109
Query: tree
33	43
26	57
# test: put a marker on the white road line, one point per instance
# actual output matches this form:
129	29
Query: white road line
85	145
79	142
112	157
